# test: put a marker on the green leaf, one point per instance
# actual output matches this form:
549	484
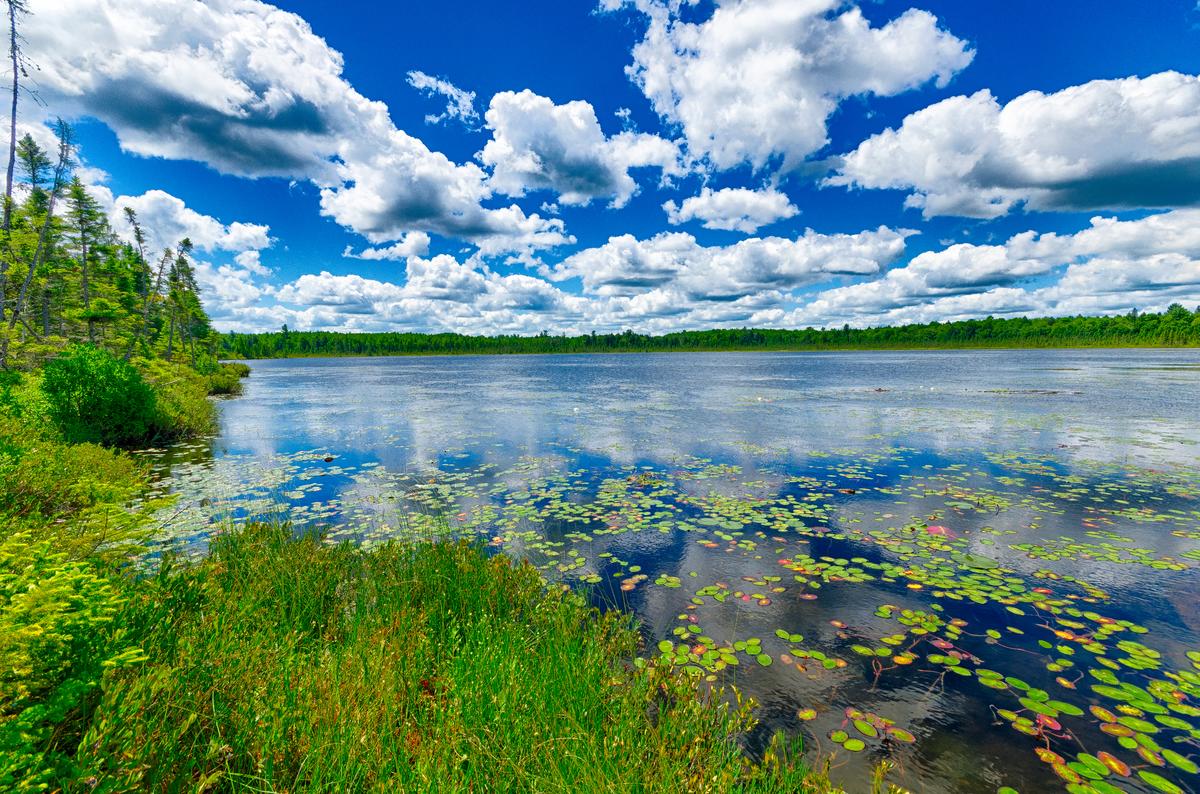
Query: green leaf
1158	782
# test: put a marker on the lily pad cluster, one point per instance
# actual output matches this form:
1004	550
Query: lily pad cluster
1047	602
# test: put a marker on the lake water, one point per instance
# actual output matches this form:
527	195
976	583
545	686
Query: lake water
981	565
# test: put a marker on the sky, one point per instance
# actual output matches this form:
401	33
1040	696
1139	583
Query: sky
655	165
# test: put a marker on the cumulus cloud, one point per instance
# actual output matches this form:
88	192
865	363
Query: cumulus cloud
671	282
251	262
1111	265
1106	144
250	90
760	78
412	244
538	145
460	104
166	220
394	185
439	294
733	209
229	290
626	266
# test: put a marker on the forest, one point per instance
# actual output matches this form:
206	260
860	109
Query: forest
1176	327
66	276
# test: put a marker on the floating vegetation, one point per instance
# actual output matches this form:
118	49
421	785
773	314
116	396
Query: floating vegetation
870	597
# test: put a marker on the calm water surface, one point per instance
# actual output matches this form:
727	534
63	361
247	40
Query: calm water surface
952	560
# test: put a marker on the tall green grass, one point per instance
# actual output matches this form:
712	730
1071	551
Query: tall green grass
283	663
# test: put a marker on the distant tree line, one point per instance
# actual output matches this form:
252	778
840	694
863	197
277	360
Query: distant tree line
1176	327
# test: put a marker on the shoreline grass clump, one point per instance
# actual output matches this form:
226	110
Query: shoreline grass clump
286	663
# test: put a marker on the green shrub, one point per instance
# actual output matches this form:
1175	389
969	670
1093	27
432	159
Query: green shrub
74	493
95	396
58	637
226	379
183	409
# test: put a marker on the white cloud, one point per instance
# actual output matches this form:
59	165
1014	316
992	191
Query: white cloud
227	290
250	90
439	293
1106	144
166	220
251	262
412	244
760	78
460	104
395	185
626	266
537	145
1112	265
346	292
734	209
670	282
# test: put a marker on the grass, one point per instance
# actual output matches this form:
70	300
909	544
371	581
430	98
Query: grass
282	663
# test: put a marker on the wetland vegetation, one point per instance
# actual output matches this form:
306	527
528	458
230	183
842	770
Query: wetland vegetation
978	569
942	571
276	660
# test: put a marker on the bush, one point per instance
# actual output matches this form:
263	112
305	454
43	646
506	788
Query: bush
183	409
95	396
237	368
76	494
58	636
226	379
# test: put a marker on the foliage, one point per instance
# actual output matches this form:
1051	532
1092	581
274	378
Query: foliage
95	396
75	493
66	277
282	663
1177	327
58	637
68	530
182	407
226	379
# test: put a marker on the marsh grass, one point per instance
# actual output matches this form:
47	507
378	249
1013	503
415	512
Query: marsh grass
285	663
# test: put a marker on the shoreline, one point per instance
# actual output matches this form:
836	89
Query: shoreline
880	349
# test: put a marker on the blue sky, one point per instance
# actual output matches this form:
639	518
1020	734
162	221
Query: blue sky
649	164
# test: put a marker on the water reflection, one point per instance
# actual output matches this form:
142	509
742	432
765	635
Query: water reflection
647	479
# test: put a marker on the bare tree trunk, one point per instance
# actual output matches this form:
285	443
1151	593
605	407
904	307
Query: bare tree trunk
12	148
12	123
87	293
171	336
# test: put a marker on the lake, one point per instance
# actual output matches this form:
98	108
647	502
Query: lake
981	565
